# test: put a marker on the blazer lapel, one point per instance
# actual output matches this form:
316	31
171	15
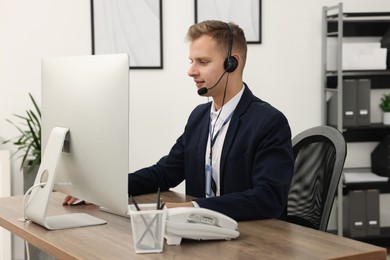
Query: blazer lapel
232	130
203	137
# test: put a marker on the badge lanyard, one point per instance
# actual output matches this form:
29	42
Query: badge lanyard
209	166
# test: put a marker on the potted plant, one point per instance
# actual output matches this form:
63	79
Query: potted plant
385	107
28	142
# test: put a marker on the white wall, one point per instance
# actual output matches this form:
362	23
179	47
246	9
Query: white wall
30	30
284	69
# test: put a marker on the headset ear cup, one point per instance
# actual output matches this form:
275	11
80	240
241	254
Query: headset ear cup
230	64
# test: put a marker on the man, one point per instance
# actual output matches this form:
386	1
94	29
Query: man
235	153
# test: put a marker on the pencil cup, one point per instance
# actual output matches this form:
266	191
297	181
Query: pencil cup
148	226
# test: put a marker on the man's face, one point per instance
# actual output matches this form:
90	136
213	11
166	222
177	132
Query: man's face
206	64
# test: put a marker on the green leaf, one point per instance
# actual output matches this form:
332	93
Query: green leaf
28	143
385	103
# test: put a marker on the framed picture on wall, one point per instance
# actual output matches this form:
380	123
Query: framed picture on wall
245	13
129	26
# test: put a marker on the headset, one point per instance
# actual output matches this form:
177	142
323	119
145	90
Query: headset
231	62
229	65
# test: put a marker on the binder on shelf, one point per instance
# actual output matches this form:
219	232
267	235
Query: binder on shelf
349	105
356	103
357	213
363	102
362	214
372	213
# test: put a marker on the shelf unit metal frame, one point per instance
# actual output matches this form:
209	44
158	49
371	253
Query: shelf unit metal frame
336	14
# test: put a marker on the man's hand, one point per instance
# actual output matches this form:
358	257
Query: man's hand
181	204
69	200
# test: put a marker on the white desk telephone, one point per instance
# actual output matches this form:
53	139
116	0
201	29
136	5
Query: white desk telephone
199	224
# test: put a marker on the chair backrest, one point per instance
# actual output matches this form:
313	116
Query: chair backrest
319	154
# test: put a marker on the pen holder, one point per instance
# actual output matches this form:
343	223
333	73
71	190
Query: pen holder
148	226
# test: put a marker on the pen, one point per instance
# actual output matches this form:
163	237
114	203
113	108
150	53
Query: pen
162	205
158	198
135	203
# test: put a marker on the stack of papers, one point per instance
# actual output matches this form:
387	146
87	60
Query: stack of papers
357	54
357	177
364	56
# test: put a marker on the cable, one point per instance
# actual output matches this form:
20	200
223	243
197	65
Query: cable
23	218
42	184
216	120
27	249
24	215
223	101
24	199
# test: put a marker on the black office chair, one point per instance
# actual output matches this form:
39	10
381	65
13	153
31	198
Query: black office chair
319	154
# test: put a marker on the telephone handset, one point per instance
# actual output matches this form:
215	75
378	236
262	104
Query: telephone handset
199	224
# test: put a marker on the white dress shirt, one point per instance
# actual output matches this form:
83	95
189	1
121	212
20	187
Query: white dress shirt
221	129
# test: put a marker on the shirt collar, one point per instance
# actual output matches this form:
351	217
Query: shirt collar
228	108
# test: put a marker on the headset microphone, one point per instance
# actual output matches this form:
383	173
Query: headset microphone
230	64
204	90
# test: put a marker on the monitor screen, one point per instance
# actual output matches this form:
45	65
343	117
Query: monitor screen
85	134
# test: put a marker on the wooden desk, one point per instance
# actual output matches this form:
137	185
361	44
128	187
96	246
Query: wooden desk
262	239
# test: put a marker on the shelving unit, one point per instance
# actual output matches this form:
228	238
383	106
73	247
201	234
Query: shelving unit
337	24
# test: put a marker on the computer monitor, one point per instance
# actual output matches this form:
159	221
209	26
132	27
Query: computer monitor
85	135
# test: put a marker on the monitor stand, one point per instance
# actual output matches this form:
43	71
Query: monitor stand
36	208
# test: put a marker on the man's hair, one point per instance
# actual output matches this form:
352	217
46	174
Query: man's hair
219	31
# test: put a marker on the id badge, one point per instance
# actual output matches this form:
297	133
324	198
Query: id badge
209	174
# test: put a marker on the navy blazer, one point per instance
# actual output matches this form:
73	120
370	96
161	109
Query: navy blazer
256	165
